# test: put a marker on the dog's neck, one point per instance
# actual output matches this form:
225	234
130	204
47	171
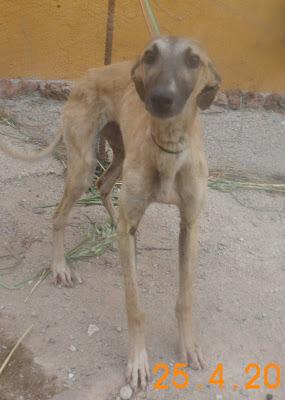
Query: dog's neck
172	135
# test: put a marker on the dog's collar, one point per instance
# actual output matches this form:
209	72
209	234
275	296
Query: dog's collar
164	149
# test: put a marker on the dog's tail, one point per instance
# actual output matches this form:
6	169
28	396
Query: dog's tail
32	156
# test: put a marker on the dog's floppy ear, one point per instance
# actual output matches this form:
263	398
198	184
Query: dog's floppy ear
137	79
206	97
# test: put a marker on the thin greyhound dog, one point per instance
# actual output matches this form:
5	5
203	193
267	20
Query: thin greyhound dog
148	112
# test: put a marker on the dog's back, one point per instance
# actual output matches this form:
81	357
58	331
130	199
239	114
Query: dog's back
105	84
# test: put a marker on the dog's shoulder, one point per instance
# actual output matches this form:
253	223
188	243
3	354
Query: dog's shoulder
106	79
110	72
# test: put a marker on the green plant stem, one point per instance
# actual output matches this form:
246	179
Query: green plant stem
152	17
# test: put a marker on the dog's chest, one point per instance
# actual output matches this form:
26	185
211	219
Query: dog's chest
165	188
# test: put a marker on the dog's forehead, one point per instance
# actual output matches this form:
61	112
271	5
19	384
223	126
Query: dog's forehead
172	45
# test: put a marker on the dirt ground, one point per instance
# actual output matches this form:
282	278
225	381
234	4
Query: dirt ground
239	288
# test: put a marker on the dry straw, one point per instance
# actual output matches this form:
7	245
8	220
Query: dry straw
8	358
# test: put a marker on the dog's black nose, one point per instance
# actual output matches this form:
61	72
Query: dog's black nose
161	100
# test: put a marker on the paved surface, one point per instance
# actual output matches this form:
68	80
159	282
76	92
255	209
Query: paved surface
239	288
247	141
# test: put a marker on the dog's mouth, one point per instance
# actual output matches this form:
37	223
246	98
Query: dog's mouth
162	112
164	105
160	103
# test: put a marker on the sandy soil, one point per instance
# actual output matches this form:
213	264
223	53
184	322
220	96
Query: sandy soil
239	288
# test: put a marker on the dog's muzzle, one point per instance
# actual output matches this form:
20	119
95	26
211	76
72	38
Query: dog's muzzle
160	103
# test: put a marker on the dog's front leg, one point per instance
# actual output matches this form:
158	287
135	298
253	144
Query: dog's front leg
187	261
138	368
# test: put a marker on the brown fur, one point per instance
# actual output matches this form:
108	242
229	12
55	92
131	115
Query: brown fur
158	148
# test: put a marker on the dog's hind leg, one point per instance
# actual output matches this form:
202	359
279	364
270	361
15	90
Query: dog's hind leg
80	166
106	181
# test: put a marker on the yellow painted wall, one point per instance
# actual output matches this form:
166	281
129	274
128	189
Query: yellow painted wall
60	39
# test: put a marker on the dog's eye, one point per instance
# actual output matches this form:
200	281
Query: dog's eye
149	57
192	60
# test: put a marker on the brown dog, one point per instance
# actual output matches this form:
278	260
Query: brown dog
152	124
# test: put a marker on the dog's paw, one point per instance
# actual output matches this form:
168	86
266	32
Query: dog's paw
138	373
194	358
62	274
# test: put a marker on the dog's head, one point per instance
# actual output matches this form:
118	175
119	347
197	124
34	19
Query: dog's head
171	70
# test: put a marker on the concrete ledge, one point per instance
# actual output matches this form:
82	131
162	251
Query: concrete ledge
11	88
234	99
